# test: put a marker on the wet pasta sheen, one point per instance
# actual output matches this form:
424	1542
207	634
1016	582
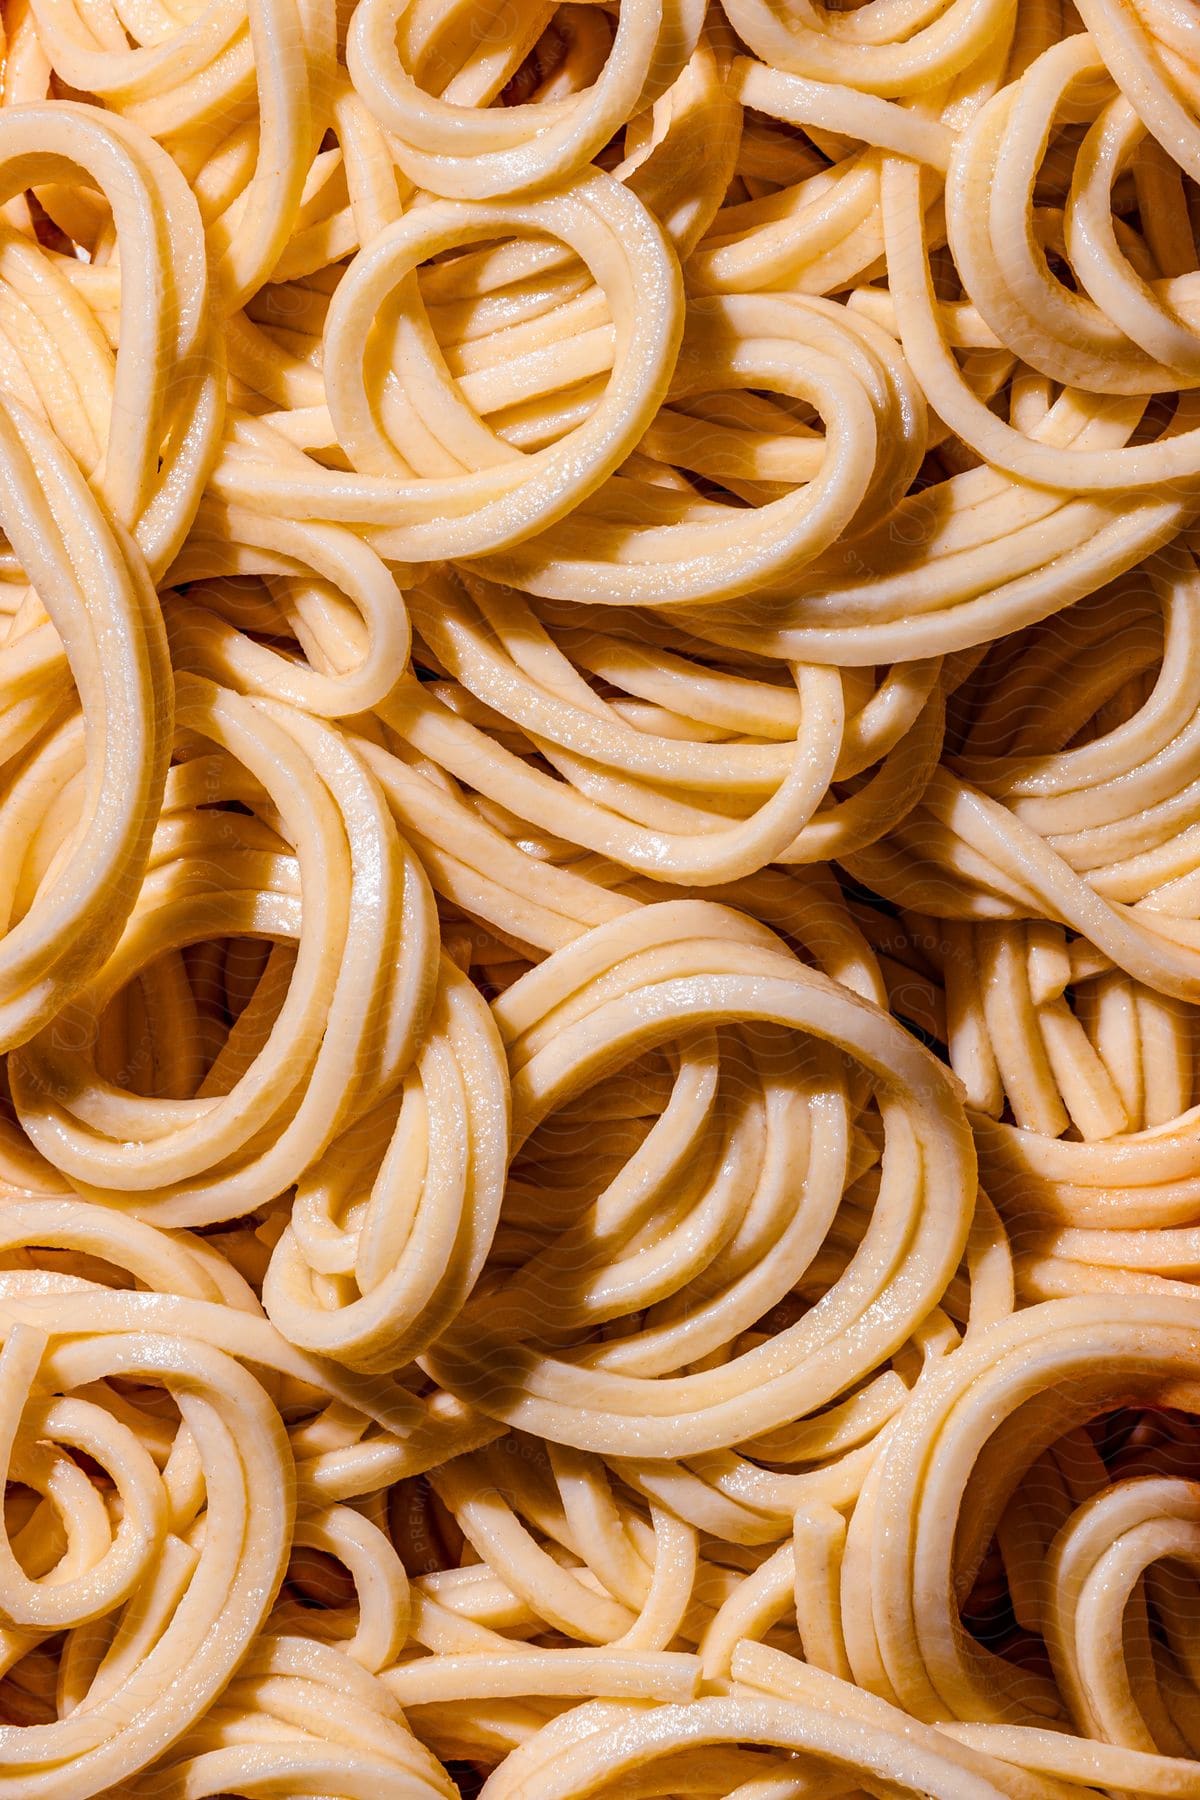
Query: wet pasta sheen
599	899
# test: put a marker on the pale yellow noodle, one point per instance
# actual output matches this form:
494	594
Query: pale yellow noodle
599	899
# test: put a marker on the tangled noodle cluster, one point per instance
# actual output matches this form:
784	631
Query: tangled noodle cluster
600	899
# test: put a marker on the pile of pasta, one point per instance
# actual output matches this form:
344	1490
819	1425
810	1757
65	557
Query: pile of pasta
599	899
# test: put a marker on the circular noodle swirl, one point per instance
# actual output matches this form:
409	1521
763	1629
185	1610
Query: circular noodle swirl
453	143
685	971
202	1602
599	899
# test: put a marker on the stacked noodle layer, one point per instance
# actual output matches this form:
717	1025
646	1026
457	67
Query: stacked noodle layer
600	899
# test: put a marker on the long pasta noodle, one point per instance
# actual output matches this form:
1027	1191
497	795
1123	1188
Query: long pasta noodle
599	899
